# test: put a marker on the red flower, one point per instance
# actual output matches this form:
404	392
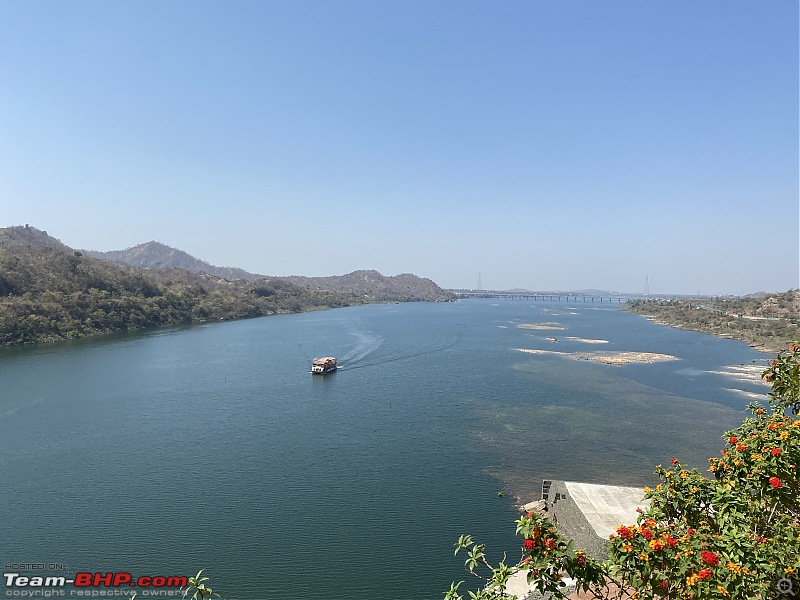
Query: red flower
671	541
663	584
760	411
767	378
550	543
674	461
733	439
624	532
581	559
794	347
709	558
690	531
647	534
741	447
529	544
704	574
775	482
776	452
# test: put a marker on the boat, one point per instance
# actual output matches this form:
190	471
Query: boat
321	366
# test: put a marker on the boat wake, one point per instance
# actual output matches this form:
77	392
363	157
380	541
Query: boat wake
366	344
446	345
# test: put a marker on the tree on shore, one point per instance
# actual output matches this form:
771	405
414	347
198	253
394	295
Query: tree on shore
732	534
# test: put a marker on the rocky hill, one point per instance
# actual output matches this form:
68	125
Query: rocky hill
20	237
155	255
375	287
369	286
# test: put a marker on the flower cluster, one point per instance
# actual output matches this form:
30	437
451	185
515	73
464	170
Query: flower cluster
726	536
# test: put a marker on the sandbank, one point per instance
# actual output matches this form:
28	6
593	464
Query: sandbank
746	394
750	373
586	341
609	358
540	326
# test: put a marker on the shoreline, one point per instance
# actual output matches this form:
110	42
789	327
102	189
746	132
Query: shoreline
767	326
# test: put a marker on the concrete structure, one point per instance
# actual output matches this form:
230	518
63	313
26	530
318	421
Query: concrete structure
588	513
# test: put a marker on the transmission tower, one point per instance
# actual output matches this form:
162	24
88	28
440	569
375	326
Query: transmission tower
480	286
646	286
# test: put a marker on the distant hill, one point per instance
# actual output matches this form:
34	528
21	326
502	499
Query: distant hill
375	287
49	291
155	255
369	286
19	236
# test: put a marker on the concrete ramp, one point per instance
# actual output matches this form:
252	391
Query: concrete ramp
588	512
607	506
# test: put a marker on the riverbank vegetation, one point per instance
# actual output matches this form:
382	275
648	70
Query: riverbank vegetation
768	324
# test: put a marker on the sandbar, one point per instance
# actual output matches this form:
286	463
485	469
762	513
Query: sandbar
586	341
750	373
540	326
753	395
609	358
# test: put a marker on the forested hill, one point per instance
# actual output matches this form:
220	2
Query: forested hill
155	255
49	291
769	322
376	287
369	286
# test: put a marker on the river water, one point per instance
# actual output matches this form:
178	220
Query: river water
213	447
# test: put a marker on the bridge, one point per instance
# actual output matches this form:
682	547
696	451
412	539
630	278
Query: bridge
543	297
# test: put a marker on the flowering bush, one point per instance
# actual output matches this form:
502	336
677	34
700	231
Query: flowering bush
734	533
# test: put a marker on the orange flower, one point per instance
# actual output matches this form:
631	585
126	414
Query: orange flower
733	567
657	544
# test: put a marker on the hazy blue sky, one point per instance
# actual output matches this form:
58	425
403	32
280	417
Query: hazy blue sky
556	144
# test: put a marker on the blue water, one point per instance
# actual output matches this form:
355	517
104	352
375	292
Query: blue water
213	447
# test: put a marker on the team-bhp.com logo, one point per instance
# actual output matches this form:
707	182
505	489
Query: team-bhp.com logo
94	580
